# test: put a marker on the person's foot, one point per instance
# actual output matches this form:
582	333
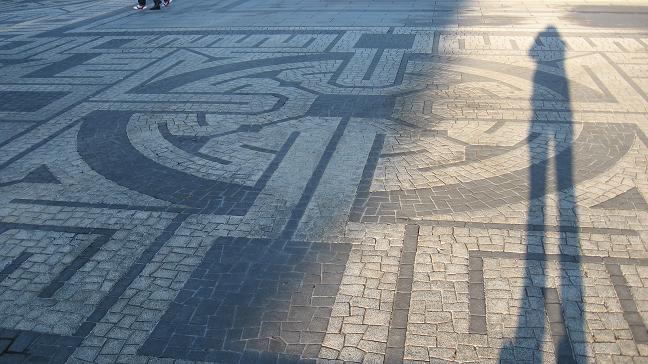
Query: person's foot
139	7
156	7
167	2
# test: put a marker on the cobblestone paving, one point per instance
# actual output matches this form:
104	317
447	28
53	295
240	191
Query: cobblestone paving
377	181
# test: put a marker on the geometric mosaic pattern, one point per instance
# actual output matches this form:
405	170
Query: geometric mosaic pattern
239	181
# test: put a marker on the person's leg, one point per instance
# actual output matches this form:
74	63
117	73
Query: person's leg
157	5
141	4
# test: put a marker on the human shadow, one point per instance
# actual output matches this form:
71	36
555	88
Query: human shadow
542	304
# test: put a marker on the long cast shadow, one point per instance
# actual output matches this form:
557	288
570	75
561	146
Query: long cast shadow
564	312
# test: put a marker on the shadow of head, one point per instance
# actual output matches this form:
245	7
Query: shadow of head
549	80
547	40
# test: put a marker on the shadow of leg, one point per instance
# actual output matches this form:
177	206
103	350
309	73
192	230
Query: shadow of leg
564	311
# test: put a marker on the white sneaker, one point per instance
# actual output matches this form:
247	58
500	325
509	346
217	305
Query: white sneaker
139	7
167	2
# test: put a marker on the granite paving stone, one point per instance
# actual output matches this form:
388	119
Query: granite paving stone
313	181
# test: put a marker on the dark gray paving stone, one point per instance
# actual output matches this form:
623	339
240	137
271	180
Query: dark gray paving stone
629	200
35	347
4	344
61	66
392	41
252	295
27	101
352	105
41	174
103	144
597	148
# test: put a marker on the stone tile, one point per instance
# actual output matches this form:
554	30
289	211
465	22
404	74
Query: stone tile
361	181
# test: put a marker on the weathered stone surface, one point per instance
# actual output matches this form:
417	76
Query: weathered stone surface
363	181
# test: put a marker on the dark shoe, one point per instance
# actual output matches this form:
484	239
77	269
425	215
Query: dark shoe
156	7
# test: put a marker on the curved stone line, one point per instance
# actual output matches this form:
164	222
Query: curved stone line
477	152
548	80
631	199
286	287
597	149
41	174
168	84
398	80
190	144
103	144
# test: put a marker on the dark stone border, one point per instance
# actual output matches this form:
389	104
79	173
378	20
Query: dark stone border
11	267
600	146
70	270
98	205
298	211
628	304
135	269
19	346
63	65
253	300
400	311
75	265
523	227
557	327
103	144
362	192
30	346
477	302
630	311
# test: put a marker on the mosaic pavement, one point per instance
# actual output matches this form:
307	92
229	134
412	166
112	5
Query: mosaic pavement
276	181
